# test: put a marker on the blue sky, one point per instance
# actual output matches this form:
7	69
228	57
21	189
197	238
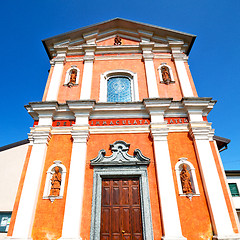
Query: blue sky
214	60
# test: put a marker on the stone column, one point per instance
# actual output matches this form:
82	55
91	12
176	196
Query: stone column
202	134
39	136
150	70
179	58
55	81
167	195
73	207
87	71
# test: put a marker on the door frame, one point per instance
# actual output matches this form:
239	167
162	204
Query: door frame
121	171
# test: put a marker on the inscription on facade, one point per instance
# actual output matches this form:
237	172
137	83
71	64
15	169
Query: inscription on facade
115	122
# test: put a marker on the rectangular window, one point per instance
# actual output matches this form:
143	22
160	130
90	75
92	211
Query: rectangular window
234	189
5	218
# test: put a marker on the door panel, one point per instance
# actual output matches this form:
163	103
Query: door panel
121	210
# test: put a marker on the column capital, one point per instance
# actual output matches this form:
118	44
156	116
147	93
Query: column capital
147	50
40	134
197	107
156	108
159	131
80	134
201	130
43	111
61	56
89	50
81	110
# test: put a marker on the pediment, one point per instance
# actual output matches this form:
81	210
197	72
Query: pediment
120	156
102	34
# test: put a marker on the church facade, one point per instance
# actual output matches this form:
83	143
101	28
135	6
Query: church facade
121	148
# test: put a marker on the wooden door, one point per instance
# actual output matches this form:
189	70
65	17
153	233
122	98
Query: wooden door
121	209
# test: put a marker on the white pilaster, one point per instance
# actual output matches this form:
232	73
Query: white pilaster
27	205
74	200
87	71
56	76
178	57
150	70
202	133
167	194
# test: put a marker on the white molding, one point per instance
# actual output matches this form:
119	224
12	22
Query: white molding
31	186
149	68
115	73
170	71
212	185
55	81
67	78
74	199
87	71
167	195
119	129
191	169
122	57
50	172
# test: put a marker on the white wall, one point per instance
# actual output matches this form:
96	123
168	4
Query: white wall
236	200
11	164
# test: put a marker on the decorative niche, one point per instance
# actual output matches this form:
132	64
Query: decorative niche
186	178
55	181
72	77
165	74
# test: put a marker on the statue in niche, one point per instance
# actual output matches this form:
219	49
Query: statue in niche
165	74
73	78
56	182
117	41
186	180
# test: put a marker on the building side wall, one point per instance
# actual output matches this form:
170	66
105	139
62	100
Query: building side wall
11	164
222	177
19	191
236	199
49	216
194	214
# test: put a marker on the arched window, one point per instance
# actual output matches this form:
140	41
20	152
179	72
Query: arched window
186	178
119	89
165	74
56	169
72	76
118	86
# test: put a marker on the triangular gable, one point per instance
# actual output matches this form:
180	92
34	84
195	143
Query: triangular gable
129	30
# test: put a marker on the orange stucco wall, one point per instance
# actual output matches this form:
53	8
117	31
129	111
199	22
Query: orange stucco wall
221	174
171	90
65	93
98	142
135	65
194	214
19	192
49	216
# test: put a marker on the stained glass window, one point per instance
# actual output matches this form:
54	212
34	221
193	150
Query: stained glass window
119	89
